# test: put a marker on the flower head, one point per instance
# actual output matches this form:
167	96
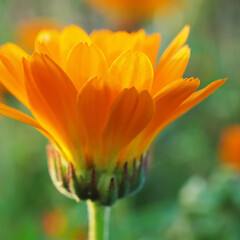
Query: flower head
230	146
100	101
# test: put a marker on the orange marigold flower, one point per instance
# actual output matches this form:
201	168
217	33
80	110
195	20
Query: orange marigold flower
229	149
100	102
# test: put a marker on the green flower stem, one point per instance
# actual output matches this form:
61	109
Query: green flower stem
98	221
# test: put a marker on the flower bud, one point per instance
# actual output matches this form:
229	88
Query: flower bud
96	185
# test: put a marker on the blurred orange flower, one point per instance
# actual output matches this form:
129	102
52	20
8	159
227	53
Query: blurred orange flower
230	146
27	31
98	98
56	226
54	223
134	9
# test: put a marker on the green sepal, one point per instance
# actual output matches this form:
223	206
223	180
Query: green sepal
108	188
124	187
96	185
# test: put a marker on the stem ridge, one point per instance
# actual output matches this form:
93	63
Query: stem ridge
98	221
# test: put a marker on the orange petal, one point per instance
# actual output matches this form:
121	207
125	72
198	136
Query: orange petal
41	109
17	115
133	69
53	101
47	42
173	62
70	36
193	100
13	51
104	39
173	69
53	83
11	71
165	103
93	103
129	115
151	46
22	117
175	45
85	62
123	41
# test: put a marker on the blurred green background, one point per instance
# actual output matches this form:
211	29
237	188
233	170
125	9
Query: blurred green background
188	195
